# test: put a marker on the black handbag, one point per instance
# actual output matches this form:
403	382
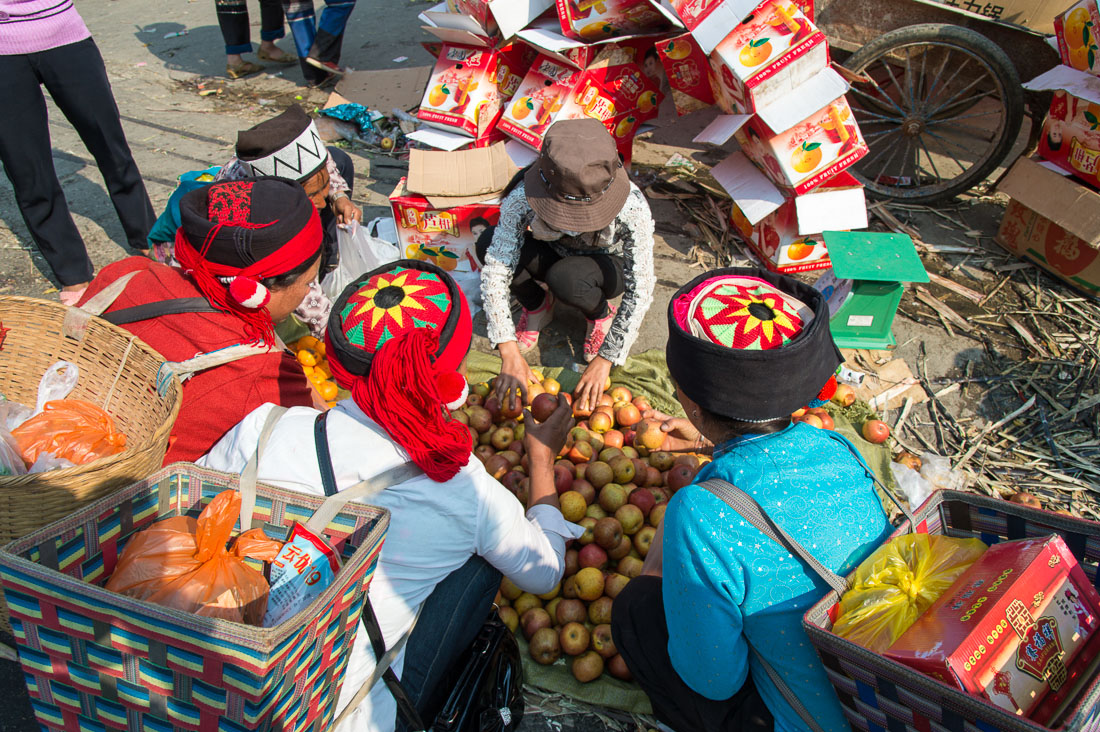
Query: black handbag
482	692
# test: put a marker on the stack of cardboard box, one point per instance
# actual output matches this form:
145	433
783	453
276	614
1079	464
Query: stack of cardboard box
1053	217
768	68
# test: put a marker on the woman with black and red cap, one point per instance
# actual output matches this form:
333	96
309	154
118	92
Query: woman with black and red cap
248	250
719	603
397	340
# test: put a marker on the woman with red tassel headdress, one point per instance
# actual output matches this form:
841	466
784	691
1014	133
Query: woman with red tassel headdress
248	251
397	340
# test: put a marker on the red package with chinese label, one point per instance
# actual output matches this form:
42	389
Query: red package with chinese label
1018	628
444	236
462	93
1071	136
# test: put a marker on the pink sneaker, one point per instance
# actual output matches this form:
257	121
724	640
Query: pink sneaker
597	331
531	322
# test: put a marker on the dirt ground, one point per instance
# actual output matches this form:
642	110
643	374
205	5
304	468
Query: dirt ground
974	368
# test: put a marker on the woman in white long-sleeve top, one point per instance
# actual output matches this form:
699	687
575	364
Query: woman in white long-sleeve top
396	339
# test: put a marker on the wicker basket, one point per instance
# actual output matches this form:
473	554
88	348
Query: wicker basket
117	371
97	660
879	694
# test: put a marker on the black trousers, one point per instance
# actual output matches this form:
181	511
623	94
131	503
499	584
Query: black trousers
330	256
640	632
586	282
233	20
75	77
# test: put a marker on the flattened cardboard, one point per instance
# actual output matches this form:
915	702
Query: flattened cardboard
1077	83
545	35
750	188
478	173
836	205
1066	203
440	139
385	90
508	16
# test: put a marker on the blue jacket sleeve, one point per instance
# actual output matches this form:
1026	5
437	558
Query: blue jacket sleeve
703	587
164	229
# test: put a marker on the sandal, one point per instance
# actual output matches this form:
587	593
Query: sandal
243	69
286	58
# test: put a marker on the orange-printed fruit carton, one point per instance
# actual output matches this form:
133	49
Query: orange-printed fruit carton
789	239
1077	30
688	71
446	237
709	21
550	91
1070	137
809	153
462	93
1018	627
596	20
773	50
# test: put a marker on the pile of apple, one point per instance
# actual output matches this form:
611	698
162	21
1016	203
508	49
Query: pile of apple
613	480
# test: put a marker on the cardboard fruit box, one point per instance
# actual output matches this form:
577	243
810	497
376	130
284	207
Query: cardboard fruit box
688	71
1070	137
596	20
1077	30
772	51
1055	222
800	158
462	93
502	17
1018	628
790	239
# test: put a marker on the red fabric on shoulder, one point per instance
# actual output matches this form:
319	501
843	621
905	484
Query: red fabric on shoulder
214	401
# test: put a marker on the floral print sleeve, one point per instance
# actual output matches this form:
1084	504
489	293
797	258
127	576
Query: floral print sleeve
501	260
634	230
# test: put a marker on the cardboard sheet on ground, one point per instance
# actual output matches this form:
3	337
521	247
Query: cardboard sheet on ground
387	89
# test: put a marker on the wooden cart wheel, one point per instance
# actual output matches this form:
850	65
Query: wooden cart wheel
939	106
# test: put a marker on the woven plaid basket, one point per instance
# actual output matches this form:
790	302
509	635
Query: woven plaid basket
880	695
96	660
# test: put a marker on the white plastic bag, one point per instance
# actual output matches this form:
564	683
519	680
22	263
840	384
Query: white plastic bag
47	461
13	414
10	461
937	471
914	487
57	383
470	284
359	253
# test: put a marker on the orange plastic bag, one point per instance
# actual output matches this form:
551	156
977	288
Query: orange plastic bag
183	563
72	429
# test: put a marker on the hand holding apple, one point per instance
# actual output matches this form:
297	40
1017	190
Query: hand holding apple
681	434
515	375
592	383
543	440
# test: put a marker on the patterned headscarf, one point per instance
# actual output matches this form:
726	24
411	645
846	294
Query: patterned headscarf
751	345
396	338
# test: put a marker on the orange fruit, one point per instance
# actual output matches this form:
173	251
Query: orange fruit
438	95
678	49
323	368
1074	29
316	377
308	357
806	157
522	107
327	390
307	370
756	53
800	249
310	342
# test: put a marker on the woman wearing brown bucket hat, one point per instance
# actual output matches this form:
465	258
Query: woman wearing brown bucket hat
577	231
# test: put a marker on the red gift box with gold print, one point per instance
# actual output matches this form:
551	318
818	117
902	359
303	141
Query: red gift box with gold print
1018	628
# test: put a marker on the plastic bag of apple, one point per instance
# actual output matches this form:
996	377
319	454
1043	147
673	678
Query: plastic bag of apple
613	480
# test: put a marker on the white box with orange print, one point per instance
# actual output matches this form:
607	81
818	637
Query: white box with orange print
789	240
1076	31
464	93
597	20
763	59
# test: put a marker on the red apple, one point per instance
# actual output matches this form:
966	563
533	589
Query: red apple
627	416
592	555
563	479
876	431
644	500
613	438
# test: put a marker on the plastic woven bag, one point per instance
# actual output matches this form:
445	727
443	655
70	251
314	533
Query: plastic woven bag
899	581
71	429
183	563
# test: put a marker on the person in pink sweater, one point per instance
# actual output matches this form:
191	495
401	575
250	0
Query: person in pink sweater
45	43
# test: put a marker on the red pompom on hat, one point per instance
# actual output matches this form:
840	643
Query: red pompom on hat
248	292
396	339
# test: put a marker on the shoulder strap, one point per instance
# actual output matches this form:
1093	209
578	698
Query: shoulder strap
753	512
324	457
149	310
185	369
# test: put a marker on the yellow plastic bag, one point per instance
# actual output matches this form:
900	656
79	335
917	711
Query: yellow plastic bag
892	587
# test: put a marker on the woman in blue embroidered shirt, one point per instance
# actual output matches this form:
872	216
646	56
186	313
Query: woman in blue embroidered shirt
746	348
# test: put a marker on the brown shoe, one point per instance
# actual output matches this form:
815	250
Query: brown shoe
286	58
243	69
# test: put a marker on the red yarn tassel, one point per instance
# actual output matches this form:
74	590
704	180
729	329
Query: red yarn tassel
401	395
